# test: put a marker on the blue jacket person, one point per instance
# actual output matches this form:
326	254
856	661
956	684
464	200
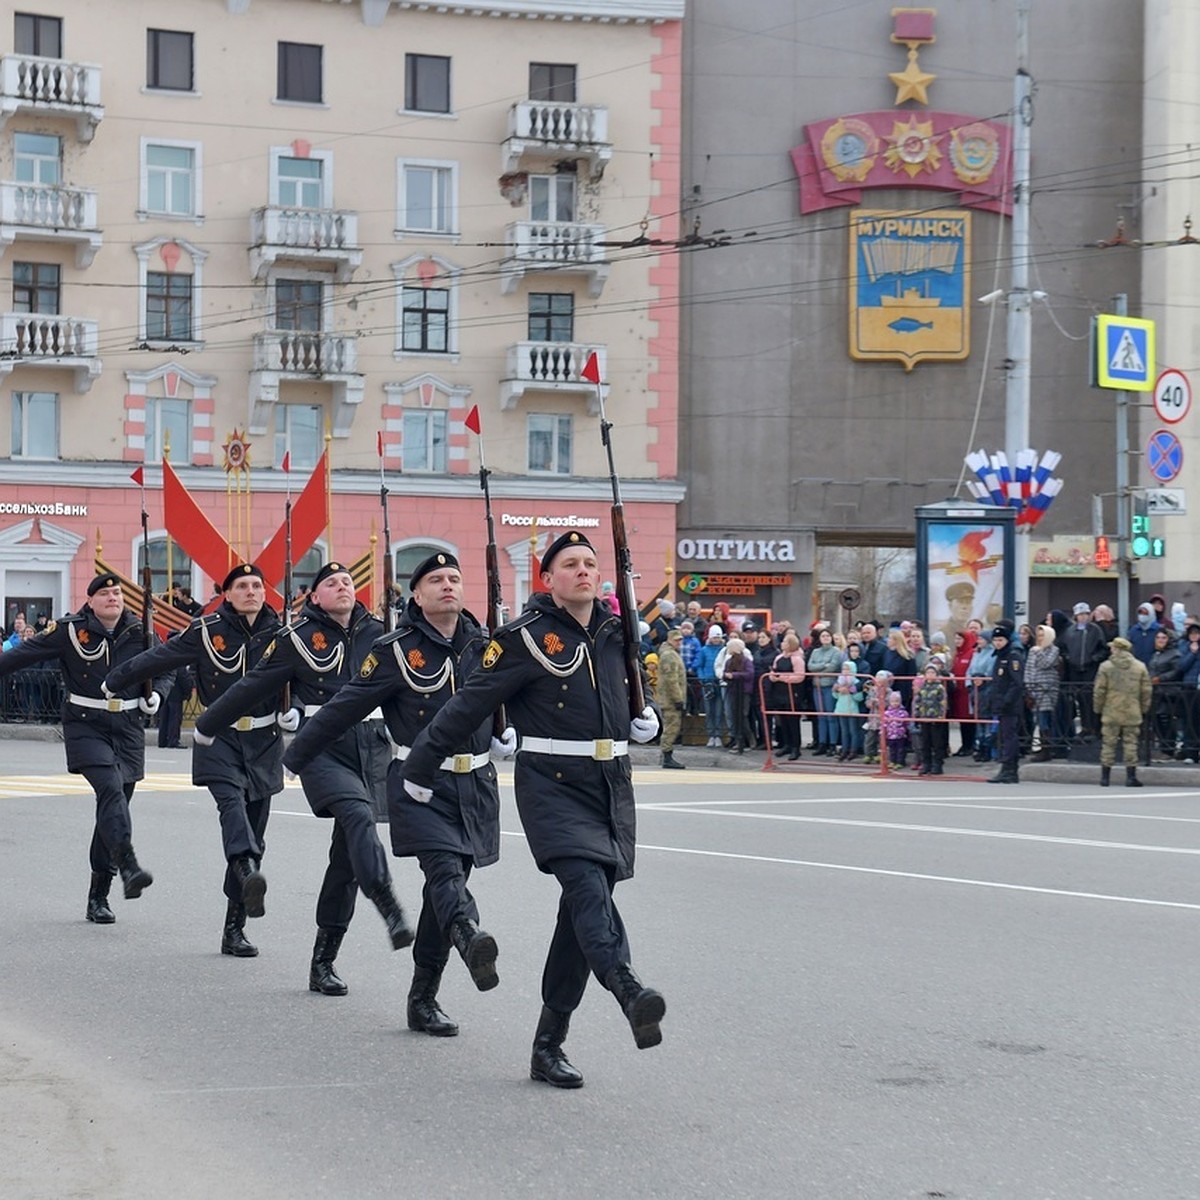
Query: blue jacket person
242	765
560	670
104	734
411	673
315	657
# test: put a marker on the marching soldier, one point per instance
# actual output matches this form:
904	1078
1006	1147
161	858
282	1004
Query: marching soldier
104	734
560	670
315	656
411	673
242	765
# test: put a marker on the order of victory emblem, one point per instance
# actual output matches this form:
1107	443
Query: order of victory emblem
849	149
912	148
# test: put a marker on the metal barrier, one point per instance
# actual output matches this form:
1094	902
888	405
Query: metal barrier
32	696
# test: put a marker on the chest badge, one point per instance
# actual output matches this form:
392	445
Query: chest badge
319	642
84	637
553	643
218	644
491	656
415	659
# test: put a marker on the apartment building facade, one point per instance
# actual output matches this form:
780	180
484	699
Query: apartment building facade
234	230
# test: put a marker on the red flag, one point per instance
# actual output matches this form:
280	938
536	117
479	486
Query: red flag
139	477
472	421
379	443
308	523
591	369
286	465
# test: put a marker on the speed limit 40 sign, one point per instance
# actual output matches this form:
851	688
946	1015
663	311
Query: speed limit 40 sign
1172	396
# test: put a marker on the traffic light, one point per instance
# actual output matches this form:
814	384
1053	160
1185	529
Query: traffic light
1140	542
1158	547
1103	555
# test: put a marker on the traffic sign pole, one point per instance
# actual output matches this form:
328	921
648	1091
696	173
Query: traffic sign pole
1121	305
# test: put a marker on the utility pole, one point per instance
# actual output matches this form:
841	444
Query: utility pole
1124	524
1020	340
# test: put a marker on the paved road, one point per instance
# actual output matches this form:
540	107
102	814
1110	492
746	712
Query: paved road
875	989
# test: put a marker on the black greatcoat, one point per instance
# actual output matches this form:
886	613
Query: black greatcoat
1006	696
221	647
316	656
412	673
558	680
86	651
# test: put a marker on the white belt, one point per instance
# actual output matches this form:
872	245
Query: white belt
245	724
459	764
602	749
376	714
114	705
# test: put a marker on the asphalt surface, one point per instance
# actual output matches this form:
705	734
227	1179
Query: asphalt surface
875	988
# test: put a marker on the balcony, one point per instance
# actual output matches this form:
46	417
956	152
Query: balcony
561	246
551	129
321	236
51	87
37	212
282	356
549	367
38	340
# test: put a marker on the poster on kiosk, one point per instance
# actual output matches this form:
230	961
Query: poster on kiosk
964	565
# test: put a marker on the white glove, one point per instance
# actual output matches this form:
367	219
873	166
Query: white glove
289	721
201	739
422	795
151	706
106	693
505	746
290	776
643	728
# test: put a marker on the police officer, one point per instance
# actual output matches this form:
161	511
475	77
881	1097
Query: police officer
104	735
242	765
1006	698
315	656
560	670
411	673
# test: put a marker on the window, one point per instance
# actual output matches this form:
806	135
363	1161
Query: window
298	305
552	197
171	179
426	319
427	196
298	432
424	444
35	34
36	288
168	423
426	83
299	182
169	60
168	307
299	67
552	81
37	158
551	317
549	443
34	425
163	550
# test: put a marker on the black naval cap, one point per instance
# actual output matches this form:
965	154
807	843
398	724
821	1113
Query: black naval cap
435	562
330	568
568	541
103	581
240	572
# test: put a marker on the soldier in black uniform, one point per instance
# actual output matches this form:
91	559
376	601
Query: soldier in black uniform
242	765
322	650
560	670
105	735
411	673
1006	698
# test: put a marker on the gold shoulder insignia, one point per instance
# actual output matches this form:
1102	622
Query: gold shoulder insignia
1016	664
269	650
491	656
49	628
368	666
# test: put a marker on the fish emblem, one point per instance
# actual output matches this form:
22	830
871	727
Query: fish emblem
909	324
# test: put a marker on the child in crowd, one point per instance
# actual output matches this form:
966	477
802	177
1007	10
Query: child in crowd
877	698
845	705
895	730
929	707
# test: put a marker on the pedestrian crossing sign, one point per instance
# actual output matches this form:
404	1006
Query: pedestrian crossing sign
1125	353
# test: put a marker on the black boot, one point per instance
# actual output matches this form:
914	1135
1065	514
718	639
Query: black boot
135	879
321	975
668	761
398	928
254	884
233	940
643	1006
549	1063
97	905
424	1015
478	950
1007	774
1131	779
1105	776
